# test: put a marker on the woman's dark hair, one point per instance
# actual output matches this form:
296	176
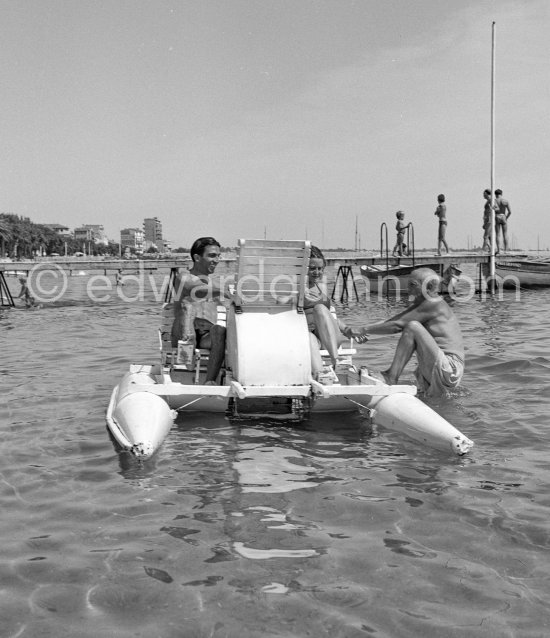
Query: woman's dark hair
441	198
316	253
200	244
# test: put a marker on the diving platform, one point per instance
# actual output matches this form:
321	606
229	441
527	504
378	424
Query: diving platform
6	298
422	258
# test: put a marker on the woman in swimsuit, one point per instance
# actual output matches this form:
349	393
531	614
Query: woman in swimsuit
323	326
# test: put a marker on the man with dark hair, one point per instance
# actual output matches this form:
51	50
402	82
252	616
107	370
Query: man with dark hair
502	213
196	302
430	328
200	244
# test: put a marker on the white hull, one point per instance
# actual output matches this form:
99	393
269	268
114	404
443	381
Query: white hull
410	416
138	421
144	405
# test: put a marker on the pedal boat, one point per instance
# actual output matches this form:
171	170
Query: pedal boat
267	371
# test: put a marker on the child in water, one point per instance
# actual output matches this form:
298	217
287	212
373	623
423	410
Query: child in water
26	293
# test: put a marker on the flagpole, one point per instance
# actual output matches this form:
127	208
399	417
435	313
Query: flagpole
493	229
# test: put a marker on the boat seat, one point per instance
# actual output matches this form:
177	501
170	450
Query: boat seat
169	352
342	351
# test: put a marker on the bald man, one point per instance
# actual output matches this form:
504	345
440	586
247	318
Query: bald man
430	328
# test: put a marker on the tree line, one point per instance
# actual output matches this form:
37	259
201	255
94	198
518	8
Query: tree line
21	238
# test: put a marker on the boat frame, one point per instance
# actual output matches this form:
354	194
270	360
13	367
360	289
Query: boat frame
267	371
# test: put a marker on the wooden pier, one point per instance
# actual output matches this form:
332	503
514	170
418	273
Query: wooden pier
334	258
344	264
345	281
344	268
107	266
455	258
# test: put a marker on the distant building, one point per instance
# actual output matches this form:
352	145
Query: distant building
132	239
91	234
62	231
152	228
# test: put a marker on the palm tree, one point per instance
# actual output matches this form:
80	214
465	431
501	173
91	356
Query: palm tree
23	237
5	235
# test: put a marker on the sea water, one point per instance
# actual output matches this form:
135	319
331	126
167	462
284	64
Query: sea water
331	528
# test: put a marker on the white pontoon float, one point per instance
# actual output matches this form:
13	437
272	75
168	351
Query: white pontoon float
267	371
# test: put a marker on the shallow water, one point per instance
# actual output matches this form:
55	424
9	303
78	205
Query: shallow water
333	528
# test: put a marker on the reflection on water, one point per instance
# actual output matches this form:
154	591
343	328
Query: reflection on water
272	470
330	528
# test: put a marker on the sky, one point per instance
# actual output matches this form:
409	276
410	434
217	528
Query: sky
285	119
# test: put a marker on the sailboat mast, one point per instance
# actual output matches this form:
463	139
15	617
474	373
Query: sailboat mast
493	228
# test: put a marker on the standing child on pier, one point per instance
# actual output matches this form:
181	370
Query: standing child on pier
487	221
400	227
441	212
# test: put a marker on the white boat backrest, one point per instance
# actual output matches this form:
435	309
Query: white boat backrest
271	274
